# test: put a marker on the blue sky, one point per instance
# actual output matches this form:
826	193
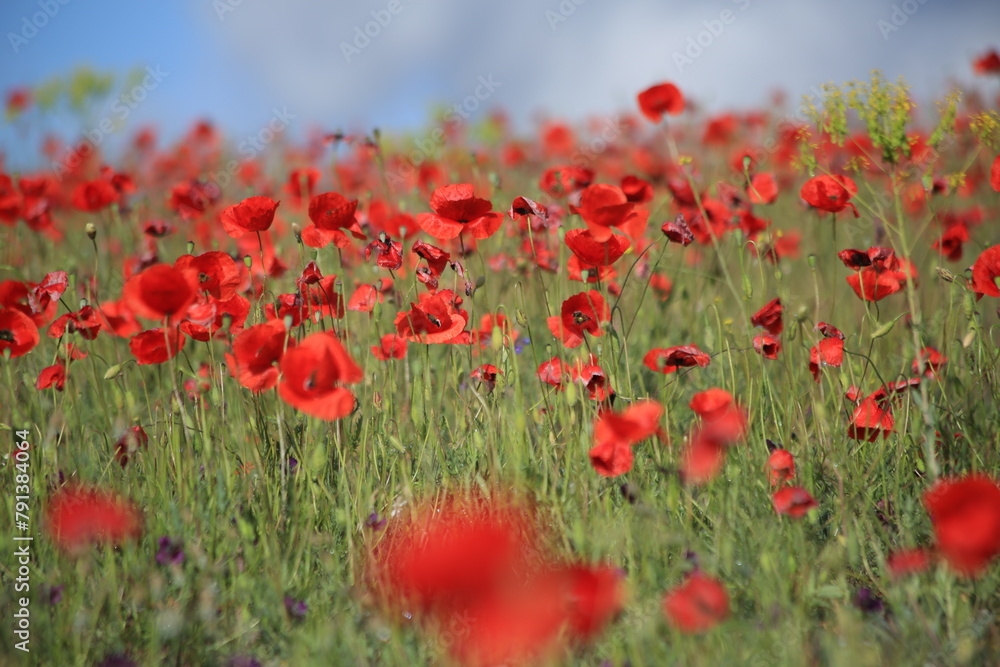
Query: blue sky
236	61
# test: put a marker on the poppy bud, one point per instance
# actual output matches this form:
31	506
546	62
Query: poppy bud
91	231
190	247
247	261
297	231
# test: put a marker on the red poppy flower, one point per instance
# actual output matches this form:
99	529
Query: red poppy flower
723	419
52	287
593	378
435	319
487	376
522	206
86	322
697	605
93	196
18	333
75	518
615	434
986	272
767	346
602	208
988	63
592	252
874	283
364	299
457	209
829	352
930	359
217	273
53	376
445	557
793	501
312	374
951	243
966	518
390	346
580	313
769	318
552	372
254	214
256	354
155	346
564	180
678	231
763	189
301	183
830	193
159	292
667	360
829	331
331	211
908	561
129	443
637	190
663	98
388	253
870	419
995	174
780	466
703	457
118	319
192	198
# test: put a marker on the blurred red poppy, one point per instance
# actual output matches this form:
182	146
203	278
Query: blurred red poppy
160	292
663	98
93	196
77	517
763	189
908	561
312	375
697	605
780	466
965	513
793	501
155	346
129	443
667	360
988	63
616	433
390	346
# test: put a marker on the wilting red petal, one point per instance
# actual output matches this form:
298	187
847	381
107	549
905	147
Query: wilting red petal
769	318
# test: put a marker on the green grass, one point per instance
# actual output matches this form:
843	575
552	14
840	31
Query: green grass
254	532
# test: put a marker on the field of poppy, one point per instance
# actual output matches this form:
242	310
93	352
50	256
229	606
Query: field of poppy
719	390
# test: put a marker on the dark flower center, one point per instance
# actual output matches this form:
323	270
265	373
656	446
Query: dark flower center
7	335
